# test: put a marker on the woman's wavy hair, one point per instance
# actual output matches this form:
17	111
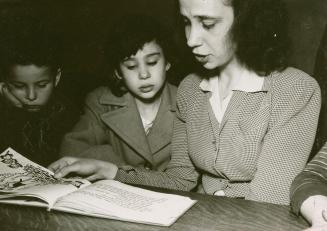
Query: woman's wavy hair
128	36
260	31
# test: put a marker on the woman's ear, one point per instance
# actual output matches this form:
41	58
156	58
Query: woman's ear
58	75
168	65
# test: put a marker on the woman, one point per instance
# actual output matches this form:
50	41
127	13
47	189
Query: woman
246	124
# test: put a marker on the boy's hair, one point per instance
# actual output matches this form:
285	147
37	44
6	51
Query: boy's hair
32	45
130	34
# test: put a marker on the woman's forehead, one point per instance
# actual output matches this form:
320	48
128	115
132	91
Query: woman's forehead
206	8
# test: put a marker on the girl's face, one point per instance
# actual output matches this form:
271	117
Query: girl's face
207	29
144	73
32	85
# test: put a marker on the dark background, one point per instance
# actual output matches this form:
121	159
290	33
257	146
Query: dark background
83	26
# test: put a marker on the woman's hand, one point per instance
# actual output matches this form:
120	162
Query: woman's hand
93	169
8	96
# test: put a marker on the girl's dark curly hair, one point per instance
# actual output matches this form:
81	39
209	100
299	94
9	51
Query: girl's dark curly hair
128	36
261	35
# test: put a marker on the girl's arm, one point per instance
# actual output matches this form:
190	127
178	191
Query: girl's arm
87	139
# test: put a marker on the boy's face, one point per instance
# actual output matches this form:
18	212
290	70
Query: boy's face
144	73
32	85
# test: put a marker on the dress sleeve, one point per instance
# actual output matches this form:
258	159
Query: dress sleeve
311	181
289	139
180	173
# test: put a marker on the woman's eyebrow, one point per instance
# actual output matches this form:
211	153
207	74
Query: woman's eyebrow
206	17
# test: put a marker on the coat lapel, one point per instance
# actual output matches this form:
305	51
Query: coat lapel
127	124
161	133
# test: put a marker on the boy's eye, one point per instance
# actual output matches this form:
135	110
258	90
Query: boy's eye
17	85
42	84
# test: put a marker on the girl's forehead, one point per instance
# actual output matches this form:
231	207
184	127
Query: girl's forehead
149	48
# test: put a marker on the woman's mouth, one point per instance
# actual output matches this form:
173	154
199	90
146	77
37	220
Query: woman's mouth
202	58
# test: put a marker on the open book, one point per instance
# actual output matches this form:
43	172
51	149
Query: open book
24	182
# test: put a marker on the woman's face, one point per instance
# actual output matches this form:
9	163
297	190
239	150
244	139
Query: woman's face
207	29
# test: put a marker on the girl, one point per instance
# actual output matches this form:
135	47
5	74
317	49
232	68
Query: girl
129	122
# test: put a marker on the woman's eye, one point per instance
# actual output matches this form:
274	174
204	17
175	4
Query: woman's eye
208	26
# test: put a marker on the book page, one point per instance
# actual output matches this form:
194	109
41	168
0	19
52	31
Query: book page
112	199
22	177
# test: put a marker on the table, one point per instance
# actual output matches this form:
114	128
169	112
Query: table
209	213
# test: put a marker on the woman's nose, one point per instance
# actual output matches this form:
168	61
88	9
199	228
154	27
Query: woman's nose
193	37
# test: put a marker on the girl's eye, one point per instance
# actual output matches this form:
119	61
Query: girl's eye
152	63
131	67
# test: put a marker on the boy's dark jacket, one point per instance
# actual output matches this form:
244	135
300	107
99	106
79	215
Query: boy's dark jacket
36	135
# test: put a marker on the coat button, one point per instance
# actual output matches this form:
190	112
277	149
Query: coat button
147	166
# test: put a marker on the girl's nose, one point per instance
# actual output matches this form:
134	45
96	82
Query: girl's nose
144	73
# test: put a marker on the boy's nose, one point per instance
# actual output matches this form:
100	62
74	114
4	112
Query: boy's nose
31	94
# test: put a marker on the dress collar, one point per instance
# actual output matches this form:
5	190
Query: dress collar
248	81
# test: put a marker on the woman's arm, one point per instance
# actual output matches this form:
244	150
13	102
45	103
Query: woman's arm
287	144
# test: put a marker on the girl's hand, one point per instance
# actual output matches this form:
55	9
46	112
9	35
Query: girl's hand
93	169
8	96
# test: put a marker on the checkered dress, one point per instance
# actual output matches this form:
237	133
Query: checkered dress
262	143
